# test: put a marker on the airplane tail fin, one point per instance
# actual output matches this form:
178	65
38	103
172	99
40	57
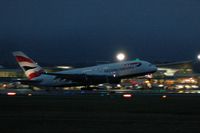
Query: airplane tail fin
31	68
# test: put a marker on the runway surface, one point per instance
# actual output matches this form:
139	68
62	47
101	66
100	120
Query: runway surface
98	114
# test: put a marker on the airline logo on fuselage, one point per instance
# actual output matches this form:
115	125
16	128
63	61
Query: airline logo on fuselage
126	66
135	64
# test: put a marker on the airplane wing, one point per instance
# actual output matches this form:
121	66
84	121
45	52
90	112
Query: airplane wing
79	77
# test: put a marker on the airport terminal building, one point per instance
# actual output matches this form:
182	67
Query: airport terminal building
178	75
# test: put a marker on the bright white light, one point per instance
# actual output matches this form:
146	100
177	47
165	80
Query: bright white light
29	94
198	56
127	95
180	86
121	56
64	67
160	85
11	93
118	85
187	86
195	86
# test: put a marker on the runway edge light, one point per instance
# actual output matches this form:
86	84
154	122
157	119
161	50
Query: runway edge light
127	95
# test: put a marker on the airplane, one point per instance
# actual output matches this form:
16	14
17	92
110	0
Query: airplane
106	73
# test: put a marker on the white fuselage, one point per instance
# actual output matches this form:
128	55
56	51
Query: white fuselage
115	70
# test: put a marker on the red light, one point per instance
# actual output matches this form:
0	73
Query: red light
11	93
127	95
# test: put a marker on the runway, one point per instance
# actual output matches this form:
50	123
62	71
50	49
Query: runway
95	113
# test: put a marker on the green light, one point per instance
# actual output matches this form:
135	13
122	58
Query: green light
137	59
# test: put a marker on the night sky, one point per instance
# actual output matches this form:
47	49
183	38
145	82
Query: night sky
63	31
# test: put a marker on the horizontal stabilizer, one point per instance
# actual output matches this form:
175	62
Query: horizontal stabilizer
28	82
22	81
